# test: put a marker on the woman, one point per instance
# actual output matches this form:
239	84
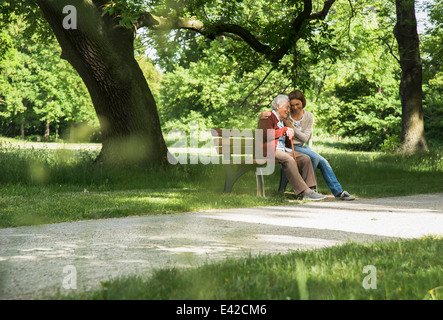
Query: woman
301	121
300	173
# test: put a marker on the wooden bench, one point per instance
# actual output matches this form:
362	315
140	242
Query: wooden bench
238	157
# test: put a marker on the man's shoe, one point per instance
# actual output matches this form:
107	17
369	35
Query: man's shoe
344	195
314	196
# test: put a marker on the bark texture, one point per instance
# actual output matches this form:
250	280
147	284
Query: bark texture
411	93
102	52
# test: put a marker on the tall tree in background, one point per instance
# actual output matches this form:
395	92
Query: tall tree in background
411	92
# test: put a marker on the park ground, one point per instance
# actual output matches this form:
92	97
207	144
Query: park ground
38	250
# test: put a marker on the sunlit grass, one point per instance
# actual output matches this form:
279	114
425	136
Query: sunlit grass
48	205
46	186
407	269
377	174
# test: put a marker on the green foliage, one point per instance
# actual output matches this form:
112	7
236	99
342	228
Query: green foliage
359	111
216	89
188	121
344	64
26	11
433	109
352	88
432	49
152	75
127	11
269	21
36	87
6	43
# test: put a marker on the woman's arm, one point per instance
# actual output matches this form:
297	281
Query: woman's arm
304	134
264	115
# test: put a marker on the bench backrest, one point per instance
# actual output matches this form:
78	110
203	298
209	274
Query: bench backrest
238	146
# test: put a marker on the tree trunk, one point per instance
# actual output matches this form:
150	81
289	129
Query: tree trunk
47	131
71	132
411	94
102	52
22	128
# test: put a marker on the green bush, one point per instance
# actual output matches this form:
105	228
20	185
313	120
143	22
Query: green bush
361	111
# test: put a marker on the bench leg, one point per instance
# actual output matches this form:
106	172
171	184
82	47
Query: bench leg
260	183
283	181
232	175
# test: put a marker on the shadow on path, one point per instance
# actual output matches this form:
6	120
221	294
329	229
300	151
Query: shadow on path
35	260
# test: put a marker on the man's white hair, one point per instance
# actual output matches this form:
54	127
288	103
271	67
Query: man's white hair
281	99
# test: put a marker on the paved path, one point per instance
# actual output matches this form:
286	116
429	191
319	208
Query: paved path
38	260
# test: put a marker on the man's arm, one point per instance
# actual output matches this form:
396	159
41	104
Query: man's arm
268	123
264	115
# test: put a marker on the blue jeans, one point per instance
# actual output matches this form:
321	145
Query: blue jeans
319	162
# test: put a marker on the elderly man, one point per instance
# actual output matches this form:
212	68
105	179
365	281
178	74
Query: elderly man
300	173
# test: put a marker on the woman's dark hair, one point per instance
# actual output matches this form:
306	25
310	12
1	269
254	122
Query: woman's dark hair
297	94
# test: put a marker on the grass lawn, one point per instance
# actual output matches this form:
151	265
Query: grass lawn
411	269
57	185
52	185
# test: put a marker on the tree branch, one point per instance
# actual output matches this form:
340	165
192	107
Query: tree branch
258	86
350	19
324	12
210	31
391	50
148	20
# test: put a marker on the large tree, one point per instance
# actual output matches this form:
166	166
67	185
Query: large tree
102	52
411	93
101	49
